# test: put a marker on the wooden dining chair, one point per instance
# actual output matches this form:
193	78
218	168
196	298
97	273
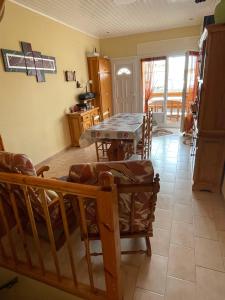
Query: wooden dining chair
149	116
96	119
145	144
2	148
106	114
101	146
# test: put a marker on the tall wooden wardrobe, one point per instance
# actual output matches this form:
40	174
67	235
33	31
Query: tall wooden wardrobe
99	69
210	117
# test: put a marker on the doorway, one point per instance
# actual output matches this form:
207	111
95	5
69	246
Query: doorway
125	83
169	87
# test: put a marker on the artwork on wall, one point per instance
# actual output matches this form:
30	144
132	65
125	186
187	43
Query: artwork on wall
28	61
70	75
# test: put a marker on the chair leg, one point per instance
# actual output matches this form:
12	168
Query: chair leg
148	245
96	147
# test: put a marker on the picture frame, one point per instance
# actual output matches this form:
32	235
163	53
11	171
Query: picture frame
70	75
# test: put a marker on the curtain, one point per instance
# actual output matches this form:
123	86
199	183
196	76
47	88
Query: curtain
192	79
149	78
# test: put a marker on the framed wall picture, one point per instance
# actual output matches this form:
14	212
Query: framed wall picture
70	75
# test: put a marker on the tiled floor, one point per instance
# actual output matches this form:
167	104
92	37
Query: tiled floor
188	261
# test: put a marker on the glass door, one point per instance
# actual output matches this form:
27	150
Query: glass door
169	87
175	84
154	86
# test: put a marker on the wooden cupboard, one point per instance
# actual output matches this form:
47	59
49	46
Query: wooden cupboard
99	69
210	144
79	122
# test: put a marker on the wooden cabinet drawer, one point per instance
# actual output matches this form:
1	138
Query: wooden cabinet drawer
86	117
87	124
78	123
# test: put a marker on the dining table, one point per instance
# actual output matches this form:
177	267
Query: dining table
119	131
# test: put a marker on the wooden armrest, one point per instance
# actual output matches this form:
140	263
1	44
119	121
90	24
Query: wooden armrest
41	170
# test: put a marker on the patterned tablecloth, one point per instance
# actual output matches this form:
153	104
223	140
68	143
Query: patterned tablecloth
124	126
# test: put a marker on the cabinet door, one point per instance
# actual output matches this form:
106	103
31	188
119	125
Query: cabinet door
106	91
86	121
104	65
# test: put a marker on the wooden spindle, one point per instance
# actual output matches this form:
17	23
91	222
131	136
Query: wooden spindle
86	240
2	250
34	228
68	240
132	211
19	225
50	233
8	233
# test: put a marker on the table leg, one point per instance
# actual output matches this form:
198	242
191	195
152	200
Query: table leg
116	151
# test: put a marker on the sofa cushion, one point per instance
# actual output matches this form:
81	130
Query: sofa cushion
21	164
124	172
16	163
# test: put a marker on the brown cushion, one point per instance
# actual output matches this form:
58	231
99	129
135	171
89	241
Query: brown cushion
124	172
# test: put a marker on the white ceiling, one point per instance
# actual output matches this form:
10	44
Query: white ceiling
105	18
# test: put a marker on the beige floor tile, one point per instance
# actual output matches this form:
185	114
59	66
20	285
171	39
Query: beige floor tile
202	208
183	165
181	262
168	177
182	197
219	217
141	294
221	235
210	284
183	174
160	241
208	254
166	187
177	289
205	227
182	234
129	276
163	218
152	274
183	213
165	201
182	184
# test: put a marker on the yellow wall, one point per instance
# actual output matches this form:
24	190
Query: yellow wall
32	119
127	45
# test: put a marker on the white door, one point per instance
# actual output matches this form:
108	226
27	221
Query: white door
125	86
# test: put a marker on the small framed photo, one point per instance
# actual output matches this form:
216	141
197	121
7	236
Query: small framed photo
70	75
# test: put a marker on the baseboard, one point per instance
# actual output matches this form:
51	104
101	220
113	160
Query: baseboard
45	162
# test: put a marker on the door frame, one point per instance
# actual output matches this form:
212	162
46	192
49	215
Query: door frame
127	60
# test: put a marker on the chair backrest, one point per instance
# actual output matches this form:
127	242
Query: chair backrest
2	148
137	193
21	164
96	119
106	114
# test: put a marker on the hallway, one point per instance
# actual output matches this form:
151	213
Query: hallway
188	260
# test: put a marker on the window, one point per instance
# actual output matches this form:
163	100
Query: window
123	71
